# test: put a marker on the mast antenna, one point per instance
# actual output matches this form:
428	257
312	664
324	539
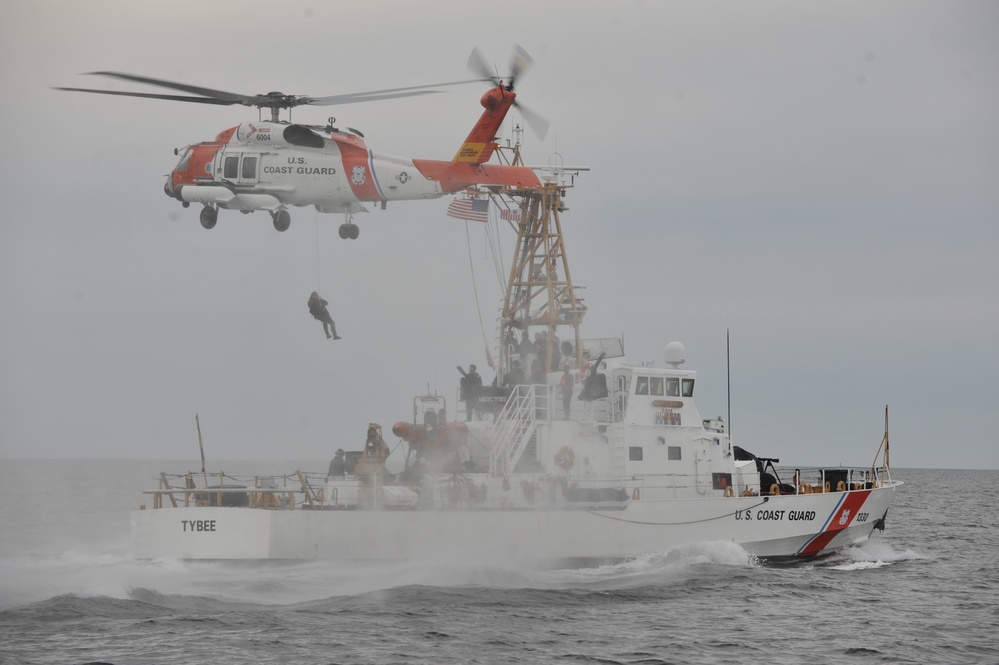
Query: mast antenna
728	381
201	446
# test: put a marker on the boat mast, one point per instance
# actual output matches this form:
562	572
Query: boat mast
539	292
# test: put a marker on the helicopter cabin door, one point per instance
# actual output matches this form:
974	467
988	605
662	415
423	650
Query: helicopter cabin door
240	168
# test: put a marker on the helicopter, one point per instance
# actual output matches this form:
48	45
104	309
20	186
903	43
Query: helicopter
272	164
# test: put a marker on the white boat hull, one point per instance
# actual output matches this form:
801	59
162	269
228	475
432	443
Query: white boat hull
779	526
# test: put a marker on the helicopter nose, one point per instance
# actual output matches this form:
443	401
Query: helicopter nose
168	186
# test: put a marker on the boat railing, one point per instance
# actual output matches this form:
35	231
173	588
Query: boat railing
820	480
788	481
222	490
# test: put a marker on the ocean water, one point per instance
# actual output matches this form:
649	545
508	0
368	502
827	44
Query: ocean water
924	591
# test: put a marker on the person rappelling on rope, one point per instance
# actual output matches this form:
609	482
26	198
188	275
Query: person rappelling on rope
317	308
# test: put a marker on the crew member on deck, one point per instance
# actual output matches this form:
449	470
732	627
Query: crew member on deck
338	466
515	376
566	385
470	384
594	387
538	376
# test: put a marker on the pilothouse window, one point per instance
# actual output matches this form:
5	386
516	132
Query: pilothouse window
687	385
656	385
642	385
673	387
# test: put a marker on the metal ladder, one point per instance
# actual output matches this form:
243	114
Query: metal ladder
515	427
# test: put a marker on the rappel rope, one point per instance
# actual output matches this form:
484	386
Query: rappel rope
475	290
319	284
496	252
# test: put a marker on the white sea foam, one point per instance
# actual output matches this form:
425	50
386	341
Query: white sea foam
872	554
116	574
32	578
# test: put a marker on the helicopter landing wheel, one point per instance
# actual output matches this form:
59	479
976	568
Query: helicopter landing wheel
209	216
282	219
344	231
353	230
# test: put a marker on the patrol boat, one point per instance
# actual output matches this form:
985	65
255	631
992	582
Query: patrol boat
575	454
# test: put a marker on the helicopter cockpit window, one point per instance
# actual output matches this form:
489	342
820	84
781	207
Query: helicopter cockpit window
184	160
303	136
231	167
687	385
249	168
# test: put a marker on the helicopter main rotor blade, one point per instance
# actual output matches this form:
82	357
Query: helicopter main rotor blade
388	93
353	99
273	100
152	95
231	97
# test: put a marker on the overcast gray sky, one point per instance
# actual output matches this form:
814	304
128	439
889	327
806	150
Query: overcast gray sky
819	178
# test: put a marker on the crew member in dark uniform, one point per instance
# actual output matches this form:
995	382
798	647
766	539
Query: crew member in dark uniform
317	308
338	466
470	384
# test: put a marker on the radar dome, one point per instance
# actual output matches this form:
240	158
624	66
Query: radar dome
675	354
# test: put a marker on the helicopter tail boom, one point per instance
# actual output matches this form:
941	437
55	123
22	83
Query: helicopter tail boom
455	176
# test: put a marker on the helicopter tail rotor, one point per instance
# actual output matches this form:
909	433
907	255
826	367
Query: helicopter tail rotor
520	62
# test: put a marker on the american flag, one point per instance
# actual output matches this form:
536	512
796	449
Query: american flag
510	215
475	210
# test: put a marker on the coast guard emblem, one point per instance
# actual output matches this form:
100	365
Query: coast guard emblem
844	518
358	175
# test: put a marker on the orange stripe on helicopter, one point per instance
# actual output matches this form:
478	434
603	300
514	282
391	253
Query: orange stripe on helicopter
358	168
